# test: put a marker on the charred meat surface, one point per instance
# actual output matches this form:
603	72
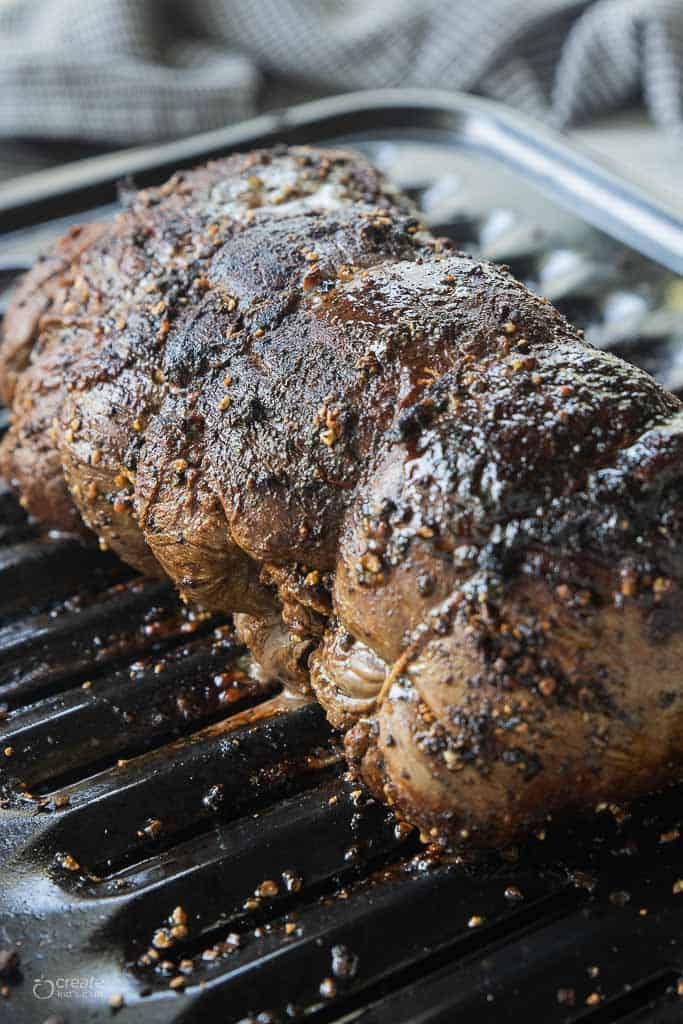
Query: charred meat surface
425	496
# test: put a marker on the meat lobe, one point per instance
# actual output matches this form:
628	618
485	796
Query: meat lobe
39	310
423	494
38	293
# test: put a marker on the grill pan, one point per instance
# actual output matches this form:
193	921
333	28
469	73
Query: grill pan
178	840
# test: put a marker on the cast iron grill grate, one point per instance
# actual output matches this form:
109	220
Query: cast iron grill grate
179	840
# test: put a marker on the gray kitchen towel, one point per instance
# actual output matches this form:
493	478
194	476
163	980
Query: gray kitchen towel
129	71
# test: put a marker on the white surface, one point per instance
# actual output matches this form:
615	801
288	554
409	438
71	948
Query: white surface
635	149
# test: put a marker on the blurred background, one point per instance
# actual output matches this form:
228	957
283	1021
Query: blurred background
79	77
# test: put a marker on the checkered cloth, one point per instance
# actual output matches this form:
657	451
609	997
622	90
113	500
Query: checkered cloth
129	71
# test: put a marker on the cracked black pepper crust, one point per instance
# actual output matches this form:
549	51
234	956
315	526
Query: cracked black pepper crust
421	490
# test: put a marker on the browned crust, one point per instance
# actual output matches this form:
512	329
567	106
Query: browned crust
267	381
